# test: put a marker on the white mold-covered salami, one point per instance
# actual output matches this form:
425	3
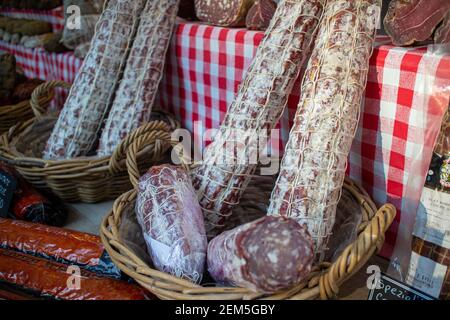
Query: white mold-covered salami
313	166
88	101
168	212
260	101
137	90
266	255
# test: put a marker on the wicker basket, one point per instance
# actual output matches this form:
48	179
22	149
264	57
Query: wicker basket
13	114
323	282
86	179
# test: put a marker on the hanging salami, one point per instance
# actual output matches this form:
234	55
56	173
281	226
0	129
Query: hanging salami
260	101
313	166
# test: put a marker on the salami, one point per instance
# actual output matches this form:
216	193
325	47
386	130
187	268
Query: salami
137	90
442	34
61	245
55	280
260	14
408	21
228	13
90	96
260	101
266	255
312	170
172	223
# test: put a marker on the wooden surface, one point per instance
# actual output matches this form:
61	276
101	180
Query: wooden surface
87	218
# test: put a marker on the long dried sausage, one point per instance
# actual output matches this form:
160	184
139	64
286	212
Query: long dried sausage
313	166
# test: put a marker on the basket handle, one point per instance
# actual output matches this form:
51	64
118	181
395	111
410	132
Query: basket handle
42	90
156	133
144	140
354	257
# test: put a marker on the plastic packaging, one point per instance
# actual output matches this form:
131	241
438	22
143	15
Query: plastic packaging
58	281
30	205
430	118
170	216
61	245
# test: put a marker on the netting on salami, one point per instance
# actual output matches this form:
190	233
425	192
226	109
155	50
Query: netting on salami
313	166
136	93
266	255
79	123
228	161
172	222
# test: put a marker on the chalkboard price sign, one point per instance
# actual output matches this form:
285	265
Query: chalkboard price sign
7	187
390	289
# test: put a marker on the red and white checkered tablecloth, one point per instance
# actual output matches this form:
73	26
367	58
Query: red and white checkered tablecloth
54	16
206	64
38	63
399	122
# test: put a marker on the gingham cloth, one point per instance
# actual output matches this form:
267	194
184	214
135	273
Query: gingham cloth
54	16
206	64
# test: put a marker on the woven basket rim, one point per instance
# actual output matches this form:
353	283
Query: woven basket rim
92	163
324	281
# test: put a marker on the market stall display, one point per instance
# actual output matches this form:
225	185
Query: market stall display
238	224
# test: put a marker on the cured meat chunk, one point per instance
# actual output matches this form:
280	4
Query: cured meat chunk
87	105
442	34
168	212
266	255
312	170
228	13
257	107
408	21
260	14
137	90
